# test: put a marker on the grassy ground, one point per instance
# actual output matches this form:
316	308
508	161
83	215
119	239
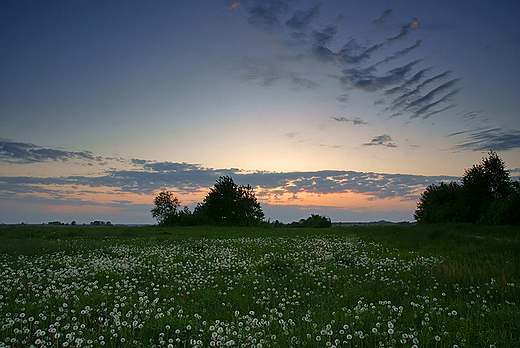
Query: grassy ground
380	286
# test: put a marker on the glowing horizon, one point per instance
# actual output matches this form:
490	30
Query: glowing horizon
340	108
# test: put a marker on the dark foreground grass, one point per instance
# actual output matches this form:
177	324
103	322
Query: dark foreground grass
384	286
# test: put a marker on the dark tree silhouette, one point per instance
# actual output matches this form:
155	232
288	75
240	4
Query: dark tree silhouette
487	195
230	204
485	183
441	204
165	205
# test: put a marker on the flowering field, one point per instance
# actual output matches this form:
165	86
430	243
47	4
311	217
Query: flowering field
200	287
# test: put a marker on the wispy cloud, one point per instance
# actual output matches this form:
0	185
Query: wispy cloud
353	120
381	140
401	53
353	52
267	13
383	17
405	30
432	94
501	45
422	104
496	139
367	80
18	152
359	67
270	72
301	19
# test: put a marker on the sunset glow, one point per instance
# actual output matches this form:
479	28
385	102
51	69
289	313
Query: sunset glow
345	109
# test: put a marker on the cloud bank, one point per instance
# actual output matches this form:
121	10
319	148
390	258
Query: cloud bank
148	177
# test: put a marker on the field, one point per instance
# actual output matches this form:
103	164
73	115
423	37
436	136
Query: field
386	286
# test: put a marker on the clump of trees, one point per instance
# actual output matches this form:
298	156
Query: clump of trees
313	221
485	195
225	204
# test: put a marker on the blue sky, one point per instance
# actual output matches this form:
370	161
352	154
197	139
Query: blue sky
343	108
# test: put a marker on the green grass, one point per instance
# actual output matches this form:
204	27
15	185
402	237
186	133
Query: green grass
377	286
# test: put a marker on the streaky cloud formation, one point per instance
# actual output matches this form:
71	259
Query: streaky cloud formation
299	28
17	152
430	95
356	121
366	80
405	29
401	53
496	139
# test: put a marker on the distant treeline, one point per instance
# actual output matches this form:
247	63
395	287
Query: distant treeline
373	223
73	223
313	221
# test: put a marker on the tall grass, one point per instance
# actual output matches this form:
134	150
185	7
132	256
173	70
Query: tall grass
387	286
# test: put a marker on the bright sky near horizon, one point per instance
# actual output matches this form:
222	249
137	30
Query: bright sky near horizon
343	108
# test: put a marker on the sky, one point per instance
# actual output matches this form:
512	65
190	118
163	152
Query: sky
348	109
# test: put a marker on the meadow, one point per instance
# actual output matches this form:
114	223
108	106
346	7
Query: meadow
379	286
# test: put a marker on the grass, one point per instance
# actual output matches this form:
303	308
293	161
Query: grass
377	286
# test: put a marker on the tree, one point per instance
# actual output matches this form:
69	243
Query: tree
165	205
318	221
487	195
485	183
230	204
441	204
503	212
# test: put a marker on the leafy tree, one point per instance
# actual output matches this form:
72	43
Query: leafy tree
485	183
503	212
441	203
487	195
165	207
230	204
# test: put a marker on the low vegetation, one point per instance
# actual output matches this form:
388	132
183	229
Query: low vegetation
380	286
